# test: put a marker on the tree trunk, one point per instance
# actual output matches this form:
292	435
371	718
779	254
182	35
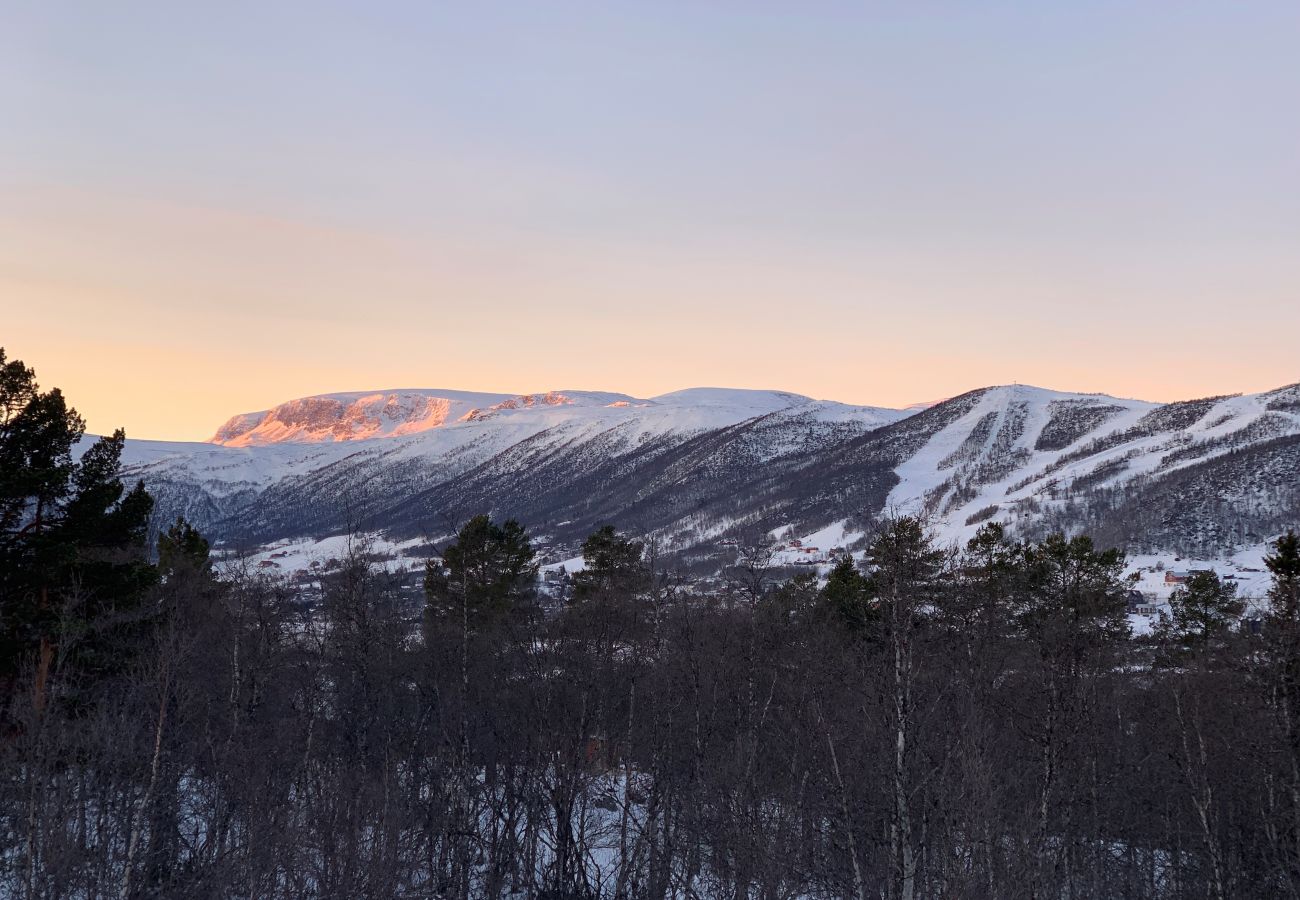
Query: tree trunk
859	885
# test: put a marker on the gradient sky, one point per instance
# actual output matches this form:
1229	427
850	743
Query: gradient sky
210	208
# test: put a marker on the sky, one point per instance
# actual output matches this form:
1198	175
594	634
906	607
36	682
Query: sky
211	208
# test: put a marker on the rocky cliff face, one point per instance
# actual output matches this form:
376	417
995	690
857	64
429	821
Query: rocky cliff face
351	417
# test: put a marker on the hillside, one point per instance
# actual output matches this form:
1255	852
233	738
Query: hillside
701	466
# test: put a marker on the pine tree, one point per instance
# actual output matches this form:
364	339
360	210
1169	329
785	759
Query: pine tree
482	578
181	547
613	565
988	580
795	602
905	580
902	557
1202	613
1073	616
1075	600
1282	675
846	598
1284	563
74	573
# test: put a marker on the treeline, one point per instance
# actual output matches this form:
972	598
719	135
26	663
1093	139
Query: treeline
922	723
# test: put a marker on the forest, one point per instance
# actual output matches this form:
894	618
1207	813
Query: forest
924	722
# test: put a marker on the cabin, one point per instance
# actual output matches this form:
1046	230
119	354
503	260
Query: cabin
1176	577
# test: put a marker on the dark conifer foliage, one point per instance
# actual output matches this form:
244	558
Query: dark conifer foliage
1203	613
483	577
182	548
847	597
74	573
1284	563
613	564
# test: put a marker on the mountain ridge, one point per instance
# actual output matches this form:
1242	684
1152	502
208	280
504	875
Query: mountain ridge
364	415
689	466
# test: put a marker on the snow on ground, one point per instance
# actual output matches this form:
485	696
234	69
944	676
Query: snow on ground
924	472
1030	477
834	535
1244	568
1141	625
308	555
571	565
814	548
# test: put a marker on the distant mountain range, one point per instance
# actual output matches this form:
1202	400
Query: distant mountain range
701	468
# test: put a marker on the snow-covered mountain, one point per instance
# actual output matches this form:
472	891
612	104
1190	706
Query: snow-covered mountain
700	466
307	459
358	416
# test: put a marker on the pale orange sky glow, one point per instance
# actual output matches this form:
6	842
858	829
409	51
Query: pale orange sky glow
168	319
630	208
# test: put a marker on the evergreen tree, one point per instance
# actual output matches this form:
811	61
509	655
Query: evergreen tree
1075	598
1202	613
906	580
614	565
1282	674
796	602
482	578
74	573
182	548
903	557
1073	617
1284	563
904	573
988	580
191	623
846	598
